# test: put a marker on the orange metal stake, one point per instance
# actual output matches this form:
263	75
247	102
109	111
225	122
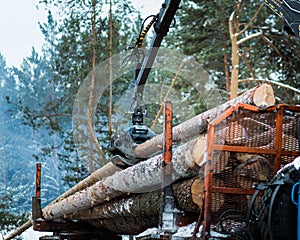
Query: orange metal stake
38	181
167	147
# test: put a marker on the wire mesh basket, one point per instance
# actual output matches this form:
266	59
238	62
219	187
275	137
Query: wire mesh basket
246	147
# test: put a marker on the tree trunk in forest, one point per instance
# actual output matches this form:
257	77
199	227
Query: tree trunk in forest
260	96
143	177
110	68
235	33
235	58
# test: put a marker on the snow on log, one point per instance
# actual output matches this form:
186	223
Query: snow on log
261	96
186	194
143	177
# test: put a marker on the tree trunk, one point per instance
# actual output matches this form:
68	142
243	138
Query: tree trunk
260	96
110	106
143	177
235	58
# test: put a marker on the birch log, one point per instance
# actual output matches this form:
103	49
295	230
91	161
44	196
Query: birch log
261	96
143	177
147	204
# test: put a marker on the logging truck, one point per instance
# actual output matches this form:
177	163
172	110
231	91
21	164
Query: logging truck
237	172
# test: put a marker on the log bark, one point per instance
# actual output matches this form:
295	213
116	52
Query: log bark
186	194
261	96
143	177
126	225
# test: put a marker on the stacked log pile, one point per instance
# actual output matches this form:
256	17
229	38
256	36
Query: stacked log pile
113	197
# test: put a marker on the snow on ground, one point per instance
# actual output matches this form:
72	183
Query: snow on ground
30	234
295	163
182	232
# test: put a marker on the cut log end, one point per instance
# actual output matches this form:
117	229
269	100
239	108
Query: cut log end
264	96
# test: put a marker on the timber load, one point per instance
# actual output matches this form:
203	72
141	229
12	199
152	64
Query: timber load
128	201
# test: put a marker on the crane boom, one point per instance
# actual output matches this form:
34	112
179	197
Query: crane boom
289	10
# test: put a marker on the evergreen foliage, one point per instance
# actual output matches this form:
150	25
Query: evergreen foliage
202	31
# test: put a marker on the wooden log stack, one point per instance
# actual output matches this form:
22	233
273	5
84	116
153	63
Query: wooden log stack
110	194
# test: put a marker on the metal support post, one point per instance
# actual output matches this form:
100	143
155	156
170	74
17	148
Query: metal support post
36	200
168	215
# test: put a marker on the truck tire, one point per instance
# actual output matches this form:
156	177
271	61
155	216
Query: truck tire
275	217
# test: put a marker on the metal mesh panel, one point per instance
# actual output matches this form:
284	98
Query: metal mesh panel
244	148
245	128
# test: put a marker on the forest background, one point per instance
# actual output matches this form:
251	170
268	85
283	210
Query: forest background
239	43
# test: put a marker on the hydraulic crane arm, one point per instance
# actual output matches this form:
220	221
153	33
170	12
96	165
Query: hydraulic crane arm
161	27
289	10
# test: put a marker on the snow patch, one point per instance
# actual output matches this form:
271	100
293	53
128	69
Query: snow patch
30	234
147	232
186	231
295	163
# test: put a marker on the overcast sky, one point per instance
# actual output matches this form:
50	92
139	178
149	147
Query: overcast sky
19	30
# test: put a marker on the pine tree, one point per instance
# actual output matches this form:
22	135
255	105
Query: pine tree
203	31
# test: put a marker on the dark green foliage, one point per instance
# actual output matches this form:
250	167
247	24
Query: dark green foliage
202	31
10	220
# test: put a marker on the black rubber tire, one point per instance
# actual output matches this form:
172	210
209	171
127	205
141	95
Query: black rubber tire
283	215
276	215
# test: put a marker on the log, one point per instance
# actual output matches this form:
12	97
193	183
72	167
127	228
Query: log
256	169
19	230
143	177
187	195
126	225
261	96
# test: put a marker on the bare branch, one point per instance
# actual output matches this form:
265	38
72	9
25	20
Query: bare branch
272	82
248	38
252	19
265	39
